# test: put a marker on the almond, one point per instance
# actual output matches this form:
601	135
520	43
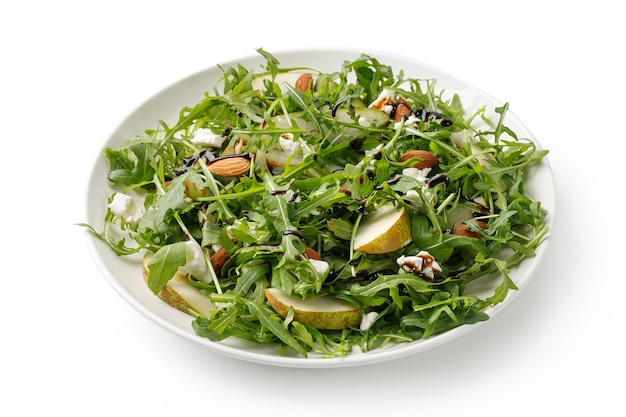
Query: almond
401	110
312	254
218	259
304	82
232	166
464	230
427	159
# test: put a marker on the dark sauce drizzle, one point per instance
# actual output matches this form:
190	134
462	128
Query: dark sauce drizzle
294	233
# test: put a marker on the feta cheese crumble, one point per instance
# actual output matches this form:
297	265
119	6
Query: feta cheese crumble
368	319
364	122
124	207
372	152
421	264
206	137
413	195
419	174
287	144
320	266
410	121
384	101
195	264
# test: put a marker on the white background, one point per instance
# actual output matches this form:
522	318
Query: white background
72	71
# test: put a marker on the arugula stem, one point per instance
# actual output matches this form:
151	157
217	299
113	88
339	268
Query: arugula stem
228	214
357	222
234	196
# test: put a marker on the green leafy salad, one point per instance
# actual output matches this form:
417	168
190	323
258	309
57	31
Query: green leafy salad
324	212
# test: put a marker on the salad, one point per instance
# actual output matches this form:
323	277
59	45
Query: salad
325	211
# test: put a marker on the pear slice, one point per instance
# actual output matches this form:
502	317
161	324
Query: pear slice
460	138
277	158
458	216
385	230
281	79
180	294
283	121
324	312
367	116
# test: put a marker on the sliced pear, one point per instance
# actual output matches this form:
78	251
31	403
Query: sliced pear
324	312
284	122
385	230
461	137
357	102
281	79
180	294
458	216
277	158
367	116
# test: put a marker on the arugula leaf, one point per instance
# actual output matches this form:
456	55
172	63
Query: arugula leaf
164	264
130	166
340	228
158	216
386	282
272	322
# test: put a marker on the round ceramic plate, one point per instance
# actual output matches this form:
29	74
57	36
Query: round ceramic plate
124	273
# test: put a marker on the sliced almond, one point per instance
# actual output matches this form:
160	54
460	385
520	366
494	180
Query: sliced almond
304	82
427	159
230	167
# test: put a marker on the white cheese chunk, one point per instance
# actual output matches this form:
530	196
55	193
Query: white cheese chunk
195	264
384	101
410	121
287	144
368	319
320	266
421	264
206	137
124	207
419	174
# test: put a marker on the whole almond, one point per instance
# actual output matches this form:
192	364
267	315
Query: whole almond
312	254
345	191
427	159
401	110
218	259
234	166
464	230
304	82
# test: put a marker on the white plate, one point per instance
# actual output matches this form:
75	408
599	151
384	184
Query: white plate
124	274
